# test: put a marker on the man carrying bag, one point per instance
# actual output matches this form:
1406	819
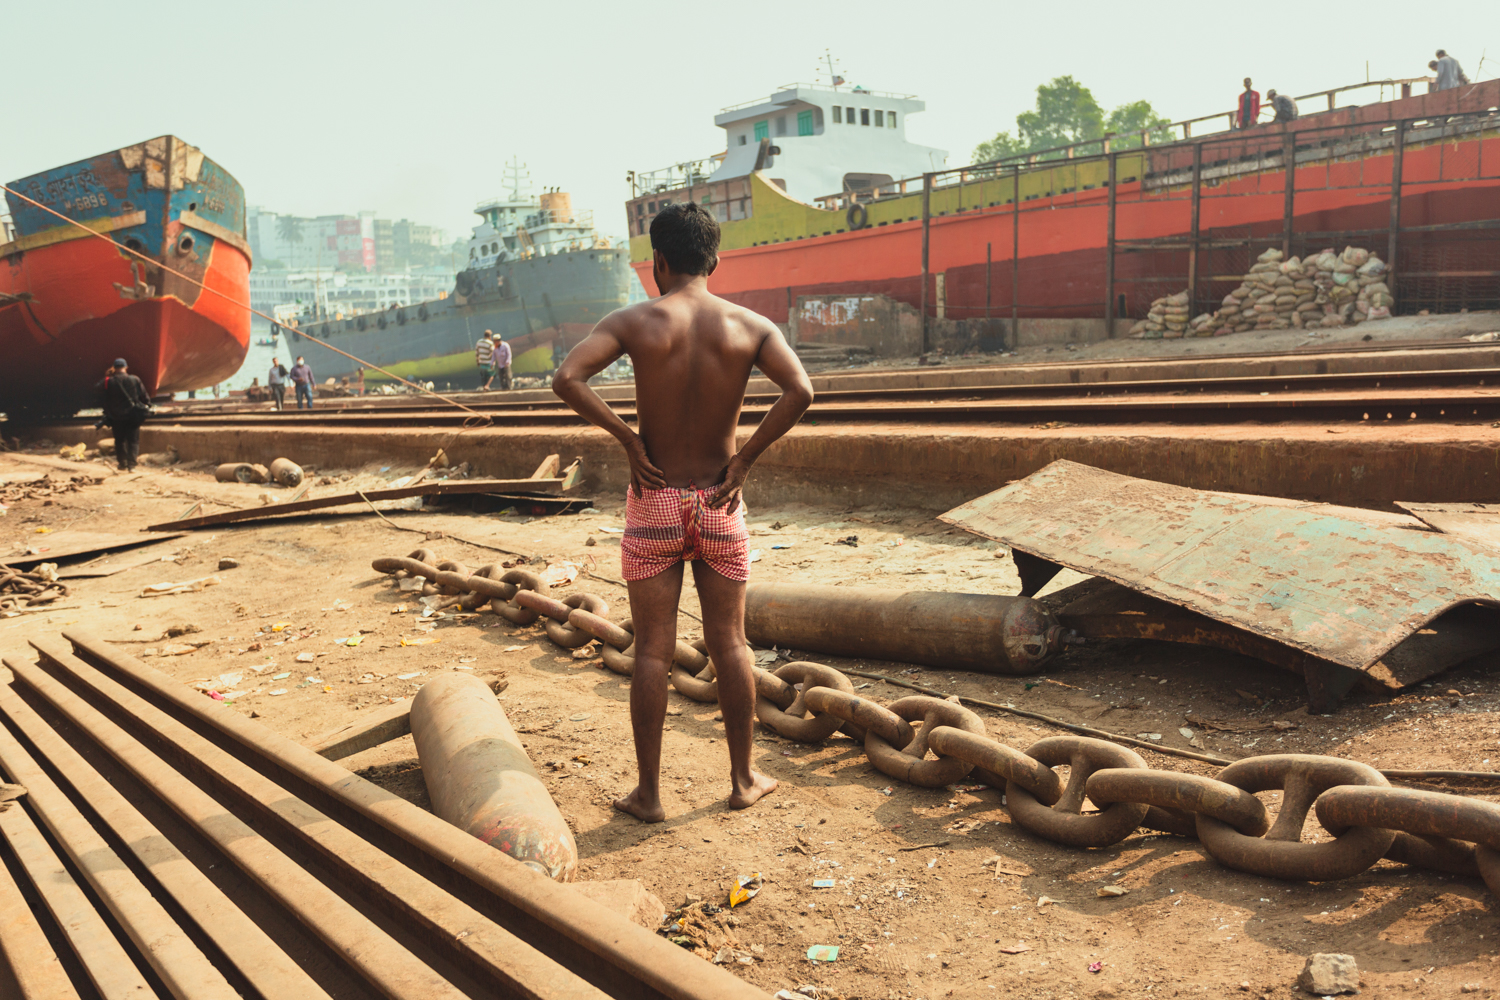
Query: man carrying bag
126	407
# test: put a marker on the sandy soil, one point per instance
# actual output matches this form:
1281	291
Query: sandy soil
919	907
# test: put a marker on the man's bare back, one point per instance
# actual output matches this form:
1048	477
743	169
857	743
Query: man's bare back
693	353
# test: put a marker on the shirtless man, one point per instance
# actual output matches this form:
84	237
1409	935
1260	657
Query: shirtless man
693	353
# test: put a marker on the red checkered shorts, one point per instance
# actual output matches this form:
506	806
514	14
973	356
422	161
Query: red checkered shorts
671	525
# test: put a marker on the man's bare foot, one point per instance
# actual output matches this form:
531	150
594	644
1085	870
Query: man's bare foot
760	787
647	811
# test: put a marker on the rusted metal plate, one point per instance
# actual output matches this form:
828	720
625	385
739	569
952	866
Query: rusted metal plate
1341	589
1478	522
67	544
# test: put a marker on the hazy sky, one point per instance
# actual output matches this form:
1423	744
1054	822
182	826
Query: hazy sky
411	109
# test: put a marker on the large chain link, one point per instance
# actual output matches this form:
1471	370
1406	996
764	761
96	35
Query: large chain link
934	742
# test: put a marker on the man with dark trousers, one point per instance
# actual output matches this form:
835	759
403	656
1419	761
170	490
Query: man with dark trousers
126	405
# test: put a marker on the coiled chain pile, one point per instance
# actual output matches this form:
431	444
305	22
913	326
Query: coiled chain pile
932	743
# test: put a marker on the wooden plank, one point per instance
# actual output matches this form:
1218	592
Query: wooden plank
338	500
185	970
380	726
25	950
259	959
109	967
549	467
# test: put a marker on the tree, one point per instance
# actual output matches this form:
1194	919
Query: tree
289	228
1066	112
1129	120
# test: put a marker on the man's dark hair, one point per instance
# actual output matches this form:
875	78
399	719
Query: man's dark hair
688	237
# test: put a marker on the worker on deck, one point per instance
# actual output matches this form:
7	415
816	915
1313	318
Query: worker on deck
277	382
302	381
1249	106
1284	106
1449	73
126	406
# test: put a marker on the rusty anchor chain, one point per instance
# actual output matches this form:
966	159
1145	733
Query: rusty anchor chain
932	742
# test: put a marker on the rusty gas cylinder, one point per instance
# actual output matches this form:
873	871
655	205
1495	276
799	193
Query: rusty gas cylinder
480	779
993	634
286	472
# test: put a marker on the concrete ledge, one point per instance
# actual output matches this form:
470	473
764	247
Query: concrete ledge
937	467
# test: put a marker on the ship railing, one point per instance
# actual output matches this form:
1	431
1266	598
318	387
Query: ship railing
1157	135
891	94
548	217
678	175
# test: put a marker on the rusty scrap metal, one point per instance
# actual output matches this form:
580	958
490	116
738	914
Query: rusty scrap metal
25	589
285	472
1343	587
998	635
481	780
241	472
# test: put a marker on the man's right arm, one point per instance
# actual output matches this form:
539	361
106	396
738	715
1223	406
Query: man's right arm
597	351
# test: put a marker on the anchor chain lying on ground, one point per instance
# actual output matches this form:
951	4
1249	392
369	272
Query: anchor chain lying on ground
37	586
932	742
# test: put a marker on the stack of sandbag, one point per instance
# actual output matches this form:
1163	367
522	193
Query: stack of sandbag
1325	290
1168	319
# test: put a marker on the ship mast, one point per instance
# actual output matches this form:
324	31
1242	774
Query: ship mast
517	176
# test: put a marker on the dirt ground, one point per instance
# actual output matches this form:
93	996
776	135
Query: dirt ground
920	907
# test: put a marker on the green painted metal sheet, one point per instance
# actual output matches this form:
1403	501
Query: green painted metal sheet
1343	588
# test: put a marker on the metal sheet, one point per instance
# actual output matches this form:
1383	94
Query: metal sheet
67	544
1478	522
1341	589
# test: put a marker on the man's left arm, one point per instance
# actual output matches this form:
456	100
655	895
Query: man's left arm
779	363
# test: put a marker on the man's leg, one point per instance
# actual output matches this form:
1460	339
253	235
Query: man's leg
279	391
118	430
723	602
132	435
653	606
505	377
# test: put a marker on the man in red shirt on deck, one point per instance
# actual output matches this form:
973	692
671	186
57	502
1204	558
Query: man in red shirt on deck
1249	107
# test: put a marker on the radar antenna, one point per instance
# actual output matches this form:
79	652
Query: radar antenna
517	177
833	74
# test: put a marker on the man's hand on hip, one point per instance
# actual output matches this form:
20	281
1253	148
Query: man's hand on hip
735	474
642	472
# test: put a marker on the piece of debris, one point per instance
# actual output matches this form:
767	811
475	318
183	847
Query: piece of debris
745	888
186	587
1096	967
1107	891
1328	974
227	563
823	953
9	793
1016	949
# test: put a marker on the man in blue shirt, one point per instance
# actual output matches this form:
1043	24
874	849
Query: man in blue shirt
302	381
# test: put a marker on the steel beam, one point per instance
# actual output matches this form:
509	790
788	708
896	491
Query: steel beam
172	955
108	965
25	950
623	959
259	959
483	949
1015	261
1197	199
1398	155
374	955
1288	212
926	250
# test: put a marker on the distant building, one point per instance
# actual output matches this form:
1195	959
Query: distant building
342	242
329	293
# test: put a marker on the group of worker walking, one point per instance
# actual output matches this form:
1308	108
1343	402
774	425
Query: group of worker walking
1448	74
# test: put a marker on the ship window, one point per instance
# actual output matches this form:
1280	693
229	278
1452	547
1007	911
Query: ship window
804	123
890	120
651	208
781	124
849	116
864	116
742	138
880	119
762	131
838	114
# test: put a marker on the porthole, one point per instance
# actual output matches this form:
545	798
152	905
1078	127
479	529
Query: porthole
185	245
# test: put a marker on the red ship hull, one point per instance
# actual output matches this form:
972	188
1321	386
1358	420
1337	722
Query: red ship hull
1050	257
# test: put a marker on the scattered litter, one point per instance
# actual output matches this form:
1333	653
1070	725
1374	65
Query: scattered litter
727	955
766	656
400	609
745	888
186	587
850	540
898	540
1483	338
774	547
823	953
1042	901
559	574
1016	949
887	790
354	640
611	531
579	717
792	995
276	691
823	883
1187	733
590	510
407	677
514	649
228	563
420	642
1096	966
280	626
306	657
282	676
1112	890
755	555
